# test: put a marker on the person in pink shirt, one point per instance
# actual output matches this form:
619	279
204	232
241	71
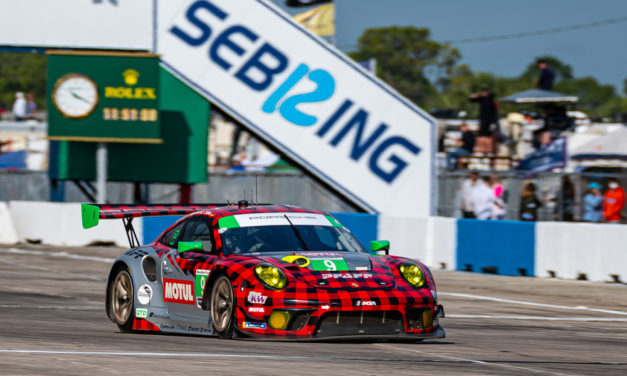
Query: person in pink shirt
498	205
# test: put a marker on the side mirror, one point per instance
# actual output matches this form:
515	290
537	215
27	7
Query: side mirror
380	245
188	246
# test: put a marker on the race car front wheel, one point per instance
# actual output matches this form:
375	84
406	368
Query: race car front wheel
121	300
223	307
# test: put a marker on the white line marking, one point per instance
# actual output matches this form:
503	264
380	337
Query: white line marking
56	254
501	365
531	318
62	307
521	302
154	354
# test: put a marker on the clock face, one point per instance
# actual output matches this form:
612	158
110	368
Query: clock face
75	95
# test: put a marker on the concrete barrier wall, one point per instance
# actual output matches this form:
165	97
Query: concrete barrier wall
577	250
60	224
597	252
8	235
429	240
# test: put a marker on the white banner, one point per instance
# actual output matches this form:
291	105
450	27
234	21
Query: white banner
102	24
305	97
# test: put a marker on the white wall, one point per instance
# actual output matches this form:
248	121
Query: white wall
598	250
107	24
59	224
8	235
429	240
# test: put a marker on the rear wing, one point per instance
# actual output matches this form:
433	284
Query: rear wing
91	214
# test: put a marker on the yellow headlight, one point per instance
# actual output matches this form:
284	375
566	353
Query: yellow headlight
279	320
412	274
271	276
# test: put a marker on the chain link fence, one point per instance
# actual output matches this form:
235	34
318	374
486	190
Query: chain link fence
552	190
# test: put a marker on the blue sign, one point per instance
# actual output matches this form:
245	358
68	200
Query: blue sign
546	158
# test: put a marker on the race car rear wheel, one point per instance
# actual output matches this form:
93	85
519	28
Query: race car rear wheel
121	300
223	307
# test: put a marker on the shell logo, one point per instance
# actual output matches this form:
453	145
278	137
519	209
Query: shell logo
131	76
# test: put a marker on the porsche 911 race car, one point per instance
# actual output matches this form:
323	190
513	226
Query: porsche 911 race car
264	271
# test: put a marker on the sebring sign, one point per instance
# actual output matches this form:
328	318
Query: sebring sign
305	97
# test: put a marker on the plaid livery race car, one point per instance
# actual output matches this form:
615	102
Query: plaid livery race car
264	271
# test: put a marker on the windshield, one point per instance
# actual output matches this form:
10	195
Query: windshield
260	239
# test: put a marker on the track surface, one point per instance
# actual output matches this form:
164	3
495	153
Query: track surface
53	323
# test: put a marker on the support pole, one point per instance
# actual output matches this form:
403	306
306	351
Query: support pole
101	173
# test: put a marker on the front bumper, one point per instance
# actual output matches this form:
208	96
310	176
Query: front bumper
323	322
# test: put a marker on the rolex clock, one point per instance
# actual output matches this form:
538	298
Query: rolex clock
75	95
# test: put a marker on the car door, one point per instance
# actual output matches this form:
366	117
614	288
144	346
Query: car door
185	274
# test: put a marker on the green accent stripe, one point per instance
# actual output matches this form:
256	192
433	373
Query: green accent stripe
334	222
228	222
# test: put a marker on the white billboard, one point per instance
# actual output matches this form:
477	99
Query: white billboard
101	24
305	97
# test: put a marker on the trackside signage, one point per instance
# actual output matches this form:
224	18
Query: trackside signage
305	97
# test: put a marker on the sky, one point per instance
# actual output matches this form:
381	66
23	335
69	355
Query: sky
600	52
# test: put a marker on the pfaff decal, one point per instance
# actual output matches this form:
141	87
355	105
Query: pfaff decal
346	275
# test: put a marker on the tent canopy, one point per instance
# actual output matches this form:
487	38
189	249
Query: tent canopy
609	146
539	96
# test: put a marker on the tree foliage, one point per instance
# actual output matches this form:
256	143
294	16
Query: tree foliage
23	72
429	73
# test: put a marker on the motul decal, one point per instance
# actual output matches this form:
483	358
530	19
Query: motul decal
177	291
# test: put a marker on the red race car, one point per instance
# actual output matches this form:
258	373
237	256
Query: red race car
264	271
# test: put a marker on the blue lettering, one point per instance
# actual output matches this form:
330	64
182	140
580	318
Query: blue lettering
204	28
223	40
359	147
334	118
324	91
255	63
270	105
399	164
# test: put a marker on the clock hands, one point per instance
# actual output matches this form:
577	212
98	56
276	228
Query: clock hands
79	97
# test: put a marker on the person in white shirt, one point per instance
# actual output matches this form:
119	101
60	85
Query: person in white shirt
467	187
483	199
19	106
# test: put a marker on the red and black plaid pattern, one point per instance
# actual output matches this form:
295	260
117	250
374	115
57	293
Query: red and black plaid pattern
382	287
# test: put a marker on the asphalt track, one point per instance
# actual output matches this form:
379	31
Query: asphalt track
52	322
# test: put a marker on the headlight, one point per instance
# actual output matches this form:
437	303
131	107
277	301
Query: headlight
412	274
271	276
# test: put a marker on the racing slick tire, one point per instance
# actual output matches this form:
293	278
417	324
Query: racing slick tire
121	303
223	307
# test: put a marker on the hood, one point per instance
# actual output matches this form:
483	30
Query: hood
336	269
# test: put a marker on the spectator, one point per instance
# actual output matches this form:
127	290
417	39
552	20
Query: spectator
593	203
465	145
529	203
487	117
19	106
31	106
613	201
565	207
498	205
467	187
547	76
482	199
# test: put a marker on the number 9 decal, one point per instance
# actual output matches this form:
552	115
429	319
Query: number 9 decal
330	265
